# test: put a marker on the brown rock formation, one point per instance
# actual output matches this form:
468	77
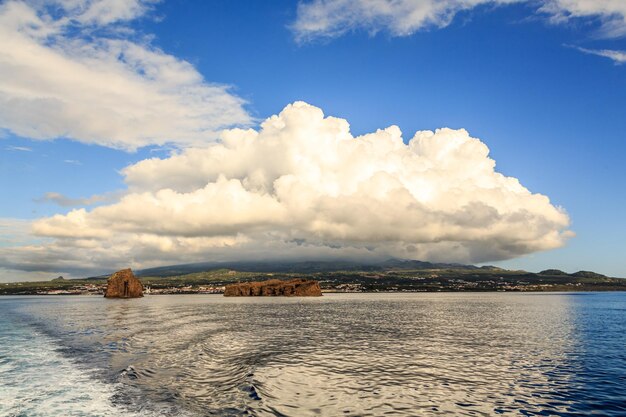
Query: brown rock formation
274	287
123	284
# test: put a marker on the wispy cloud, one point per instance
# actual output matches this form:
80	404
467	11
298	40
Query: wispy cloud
18	148
78	70
619	57
332	18
609	14
64	201
72	162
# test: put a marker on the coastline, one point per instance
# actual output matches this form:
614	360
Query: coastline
330	291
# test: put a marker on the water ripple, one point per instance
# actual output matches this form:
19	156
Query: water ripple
350	355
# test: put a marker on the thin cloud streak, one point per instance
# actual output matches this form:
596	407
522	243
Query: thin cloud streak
64	201
18	148
619	57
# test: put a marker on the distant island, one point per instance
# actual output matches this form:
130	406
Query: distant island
393	275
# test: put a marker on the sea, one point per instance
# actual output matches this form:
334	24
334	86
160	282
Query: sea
393	354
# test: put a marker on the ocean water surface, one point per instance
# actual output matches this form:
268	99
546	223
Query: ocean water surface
474	354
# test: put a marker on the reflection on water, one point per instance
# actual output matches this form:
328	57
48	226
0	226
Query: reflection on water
353	355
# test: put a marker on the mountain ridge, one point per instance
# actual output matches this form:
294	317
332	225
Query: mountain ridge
311	267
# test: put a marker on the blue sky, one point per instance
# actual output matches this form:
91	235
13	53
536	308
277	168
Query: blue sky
531	85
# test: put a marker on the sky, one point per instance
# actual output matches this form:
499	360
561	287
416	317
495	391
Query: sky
146	133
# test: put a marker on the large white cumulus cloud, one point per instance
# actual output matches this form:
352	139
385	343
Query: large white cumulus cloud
302	186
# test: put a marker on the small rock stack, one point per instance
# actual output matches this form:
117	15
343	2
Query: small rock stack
124	284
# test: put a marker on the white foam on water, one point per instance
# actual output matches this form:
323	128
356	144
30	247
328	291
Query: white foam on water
36	380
